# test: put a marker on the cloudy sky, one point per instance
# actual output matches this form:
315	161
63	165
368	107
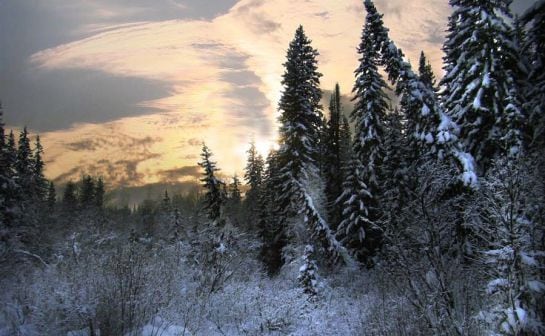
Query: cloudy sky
130	88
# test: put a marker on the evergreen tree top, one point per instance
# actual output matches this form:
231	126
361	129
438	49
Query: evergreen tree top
254	167
208	165
425	71
301	117
481	93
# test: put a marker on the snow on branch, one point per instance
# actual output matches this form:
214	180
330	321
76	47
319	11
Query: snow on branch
320	228
432	127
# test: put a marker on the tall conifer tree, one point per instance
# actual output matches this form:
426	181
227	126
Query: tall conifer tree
534	20
426	72
39	182
356	231
333	164
371	104
300	117
253	175
24	164
481	93
214	198
271	230
431	133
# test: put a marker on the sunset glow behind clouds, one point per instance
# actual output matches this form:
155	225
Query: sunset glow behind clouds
223	76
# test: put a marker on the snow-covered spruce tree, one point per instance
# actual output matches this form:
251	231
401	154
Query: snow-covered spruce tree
11	190
431	133
253	176
300	125
333	164
300	119
396	187
345	142
356	231
534	20
371	104
11	154
307	272
270	229
481	93
7	184
24	165
515	258
322	159
426	72
214	197
39	182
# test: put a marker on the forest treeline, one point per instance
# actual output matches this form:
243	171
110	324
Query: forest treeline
436	196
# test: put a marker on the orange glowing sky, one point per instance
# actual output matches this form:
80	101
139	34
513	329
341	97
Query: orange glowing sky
217	77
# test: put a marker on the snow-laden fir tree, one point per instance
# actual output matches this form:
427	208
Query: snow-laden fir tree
214	198
426	72
6	180
357	231
300	127
345	142
39	182
11	153
271	230
300	118
396	187
431	133
323	140
11	190
333	164
371	104
307	272
534	20
24	165
253	175
481	94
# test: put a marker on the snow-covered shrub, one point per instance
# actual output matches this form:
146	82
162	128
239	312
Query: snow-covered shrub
425	256
307	272
514	257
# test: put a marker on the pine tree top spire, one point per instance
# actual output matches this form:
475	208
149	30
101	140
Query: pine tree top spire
426	73
300	108
214	198
371	104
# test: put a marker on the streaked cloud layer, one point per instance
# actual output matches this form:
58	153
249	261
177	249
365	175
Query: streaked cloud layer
214	78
